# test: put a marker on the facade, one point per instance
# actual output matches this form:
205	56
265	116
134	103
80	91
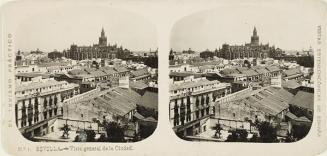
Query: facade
292	74
88	78
38	102
250	50
100	50
193	100
140	75
253	74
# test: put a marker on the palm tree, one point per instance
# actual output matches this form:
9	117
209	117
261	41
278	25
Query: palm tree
217	128
66	129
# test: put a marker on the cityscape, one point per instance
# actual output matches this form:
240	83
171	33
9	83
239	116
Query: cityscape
251	92
98	93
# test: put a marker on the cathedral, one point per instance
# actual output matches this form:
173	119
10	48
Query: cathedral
254	49
101	50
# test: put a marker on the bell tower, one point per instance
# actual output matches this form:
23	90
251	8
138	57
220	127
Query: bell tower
255	37
102	39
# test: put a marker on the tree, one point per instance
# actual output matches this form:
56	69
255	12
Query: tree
300	131
147	129
247	63
238	135
217	129
255	138
66	129
90	135
267	132
115	132
102	138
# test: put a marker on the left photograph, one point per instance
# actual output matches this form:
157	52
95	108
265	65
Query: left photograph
85	75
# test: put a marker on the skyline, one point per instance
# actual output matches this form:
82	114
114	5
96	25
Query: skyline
211	28
59	28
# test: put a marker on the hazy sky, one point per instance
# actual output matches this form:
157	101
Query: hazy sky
291	27
58	29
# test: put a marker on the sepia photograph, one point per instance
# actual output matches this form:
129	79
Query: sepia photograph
236	77
241	77
86	76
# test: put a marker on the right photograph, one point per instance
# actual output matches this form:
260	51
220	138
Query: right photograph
243	74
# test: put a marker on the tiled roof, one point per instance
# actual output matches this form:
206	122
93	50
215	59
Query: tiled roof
291	72
137	85
120	69
303	119
204	67
149	99
271	100
35	85
229	71
185	74
292	84
150	119
33	74
249	72
118	101
303	99
140	72
260	70
49	64
273	68
191	84
109	71
97	73
206	63
138	115
89	70
77	72
291	115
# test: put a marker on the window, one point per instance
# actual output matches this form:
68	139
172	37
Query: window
188	109
202	112
45	103
55	100
176	115
45	115
202	100
207	100
182	112
197	102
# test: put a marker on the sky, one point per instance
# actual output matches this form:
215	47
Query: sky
59	28
290	27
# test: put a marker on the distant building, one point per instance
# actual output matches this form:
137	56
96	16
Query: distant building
88	78
292	74
55	55
100	50
250	50
140	75
303	104
253	74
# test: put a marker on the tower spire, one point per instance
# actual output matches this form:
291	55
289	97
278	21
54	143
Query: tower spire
103	38
255	37
102	33
254	31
